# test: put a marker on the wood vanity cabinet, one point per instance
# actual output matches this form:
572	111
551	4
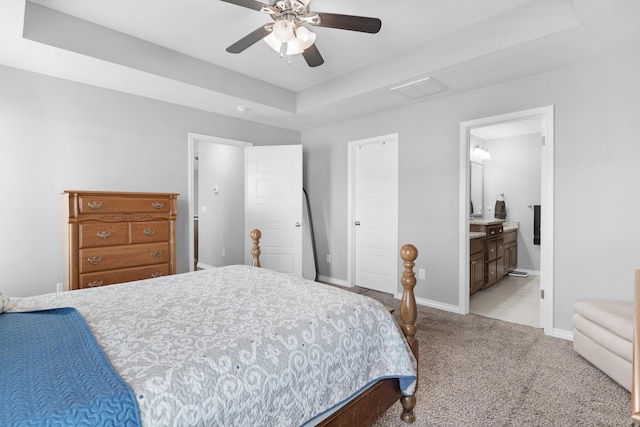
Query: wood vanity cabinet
118	237
476	267
493	249
510	251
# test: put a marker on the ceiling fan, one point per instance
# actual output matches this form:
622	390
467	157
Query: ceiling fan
288	34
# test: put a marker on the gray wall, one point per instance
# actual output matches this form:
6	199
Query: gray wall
596	174
57	135
515	170
222	225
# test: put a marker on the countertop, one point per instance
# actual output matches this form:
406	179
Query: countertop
506	226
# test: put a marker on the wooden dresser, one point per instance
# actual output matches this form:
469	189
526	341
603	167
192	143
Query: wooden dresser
114	237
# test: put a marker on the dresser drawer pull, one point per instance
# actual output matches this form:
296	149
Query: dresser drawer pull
104	234
94	260
157	205
156	254
95	284
95	205
156	274
149	231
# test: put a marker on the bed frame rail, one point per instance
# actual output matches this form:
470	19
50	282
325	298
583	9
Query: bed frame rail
368	406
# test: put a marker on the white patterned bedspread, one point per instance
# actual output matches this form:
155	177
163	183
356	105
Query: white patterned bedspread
238	345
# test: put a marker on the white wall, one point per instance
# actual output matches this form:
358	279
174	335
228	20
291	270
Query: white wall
57	135
514	170
596	174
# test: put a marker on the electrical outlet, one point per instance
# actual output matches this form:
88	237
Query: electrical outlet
328	258
58	287
421	273
224	253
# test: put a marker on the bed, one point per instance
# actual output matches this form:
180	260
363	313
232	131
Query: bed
237	345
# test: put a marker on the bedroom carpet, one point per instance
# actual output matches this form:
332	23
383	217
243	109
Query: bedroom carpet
477	371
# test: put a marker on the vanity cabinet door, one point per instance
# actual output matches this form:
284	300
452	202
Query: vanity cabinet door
476	273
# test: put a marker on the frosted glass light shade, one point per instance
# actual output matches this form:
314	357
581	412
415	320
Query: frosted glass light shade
283	30
305	37
273	42
294	47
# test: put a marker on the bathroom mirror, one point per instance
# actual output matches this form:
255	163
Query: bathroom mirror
476	189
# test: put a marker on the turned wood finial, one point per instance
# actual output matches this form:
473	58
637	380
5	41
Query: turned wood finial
255	252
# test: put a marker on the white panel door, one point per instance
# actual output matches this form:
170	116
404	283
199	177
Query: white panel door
274	205
376	214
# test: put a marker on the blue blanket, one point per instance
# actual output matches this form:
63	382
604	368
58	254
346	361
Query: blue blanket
53	372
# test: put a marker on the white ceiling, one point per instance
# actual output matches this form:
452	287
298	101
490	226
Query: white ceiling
174	50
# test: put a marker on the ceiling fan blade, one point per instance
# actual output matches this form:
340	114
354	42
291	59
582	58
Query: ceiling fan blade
312	56
249	40
350	22
251	4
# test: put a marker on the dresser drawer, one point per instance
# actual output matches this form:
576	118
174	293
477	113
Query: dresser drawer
91	204
103	234
115	257
102	278
151	231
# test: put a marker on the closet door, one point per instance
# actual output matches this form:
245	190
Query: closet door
274	205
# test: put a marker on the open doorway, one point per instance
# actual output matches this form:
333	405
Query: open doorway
216	201
535	141
506	158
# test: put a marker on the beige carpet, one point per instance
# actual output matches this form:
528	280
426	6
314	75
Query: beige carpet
476	371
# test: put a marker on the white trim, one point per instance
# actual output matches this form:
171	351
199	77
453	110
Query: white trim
562	333
433	304
547	199
192	139
203	266
334	281
351	201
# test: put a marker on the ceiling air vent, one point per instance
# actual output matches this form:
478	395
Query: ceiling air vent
419	88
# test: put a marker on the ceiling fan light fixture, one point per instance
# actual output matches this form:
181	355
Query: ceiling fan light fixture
305	37
294	47
273	42
283	30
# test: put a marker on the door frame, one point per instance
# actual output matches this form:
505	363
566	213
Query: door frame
351	183
193	139
547	198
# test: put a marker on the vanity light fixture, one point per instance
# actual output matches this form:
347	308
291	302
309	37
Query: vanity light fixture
481	153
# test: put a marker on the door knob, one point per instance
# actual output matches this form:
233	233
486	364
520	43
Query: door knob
357	222
298	224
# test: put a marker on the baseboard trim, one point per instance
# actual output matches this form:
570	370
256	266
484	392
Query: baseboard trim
334	281
203	266
562	333
433	304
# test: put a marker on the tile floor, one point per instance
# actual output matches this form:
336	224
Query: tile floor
512	299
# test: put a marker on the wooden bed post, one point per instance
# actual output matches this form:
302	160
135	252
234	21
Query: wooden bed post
635	375
408	315
255	252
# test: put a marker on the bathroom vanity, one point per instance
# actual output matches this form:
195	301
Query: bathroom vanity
499	243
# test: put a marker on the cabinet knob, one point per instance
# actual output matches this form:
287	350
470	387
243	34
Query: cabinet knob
94	260
104	234
95	284
156	274
156	254
157	205
149	232
95	205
